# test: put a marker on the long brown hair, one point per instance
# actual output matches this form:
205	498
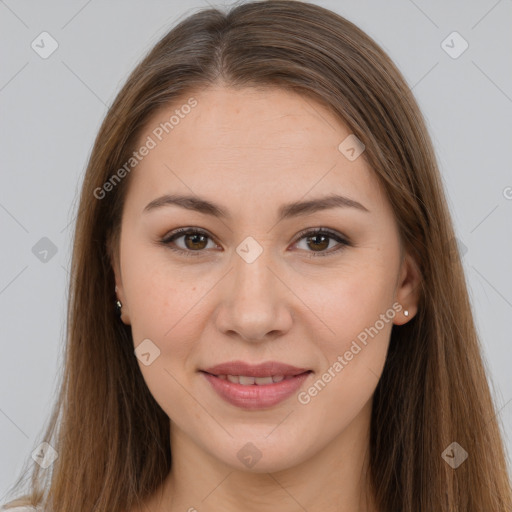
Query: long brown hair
111	436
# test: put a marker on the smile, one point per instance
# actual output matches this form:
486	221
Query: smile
247	392
259	381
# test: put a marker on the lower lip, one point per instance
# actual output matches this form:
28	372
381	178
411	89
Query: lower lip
254	396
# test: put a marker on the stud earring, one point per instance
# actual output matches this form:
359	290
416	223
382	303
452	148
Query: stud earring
406	313
119	306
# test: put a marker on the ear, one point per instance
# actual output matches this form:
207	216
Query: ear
120	295
408	289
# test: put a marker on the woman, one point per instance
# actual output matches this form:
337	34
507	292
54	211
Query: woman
215	361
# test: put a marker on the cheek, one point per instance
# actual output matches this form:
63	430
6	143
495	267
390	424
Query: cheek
165	307
352	302
162	311
154	292
151	314
361	316
357	306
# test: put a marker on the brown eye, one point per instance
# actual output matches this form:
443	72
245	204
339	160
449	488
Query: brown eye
318	240
194	241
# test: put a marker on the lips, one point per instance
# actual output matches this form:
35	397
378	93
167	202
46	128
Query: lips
267	369
255	386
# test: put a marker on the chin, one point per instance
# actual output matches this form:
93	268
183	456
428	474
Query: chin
263	455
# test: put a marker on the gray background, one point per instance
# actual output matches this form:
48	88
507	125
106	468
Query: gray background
52	108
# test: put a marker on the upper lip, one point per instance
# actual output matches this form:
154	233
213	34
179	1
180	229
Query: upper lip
266	369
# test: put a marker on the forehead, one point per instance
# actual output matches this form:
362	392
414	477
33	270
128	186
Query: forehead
252	142
255	121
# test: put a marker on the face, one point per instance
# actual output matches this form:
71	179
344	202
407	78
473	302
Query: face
306	293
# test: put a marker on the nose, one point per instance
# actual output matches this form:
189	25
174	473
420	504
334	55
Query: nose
255	304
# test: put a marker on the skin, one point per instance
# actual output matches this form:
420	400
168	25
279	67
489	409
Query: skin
251	150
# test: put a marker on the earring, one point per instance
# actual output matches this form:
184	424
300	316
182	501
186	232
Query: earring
406	313
119	306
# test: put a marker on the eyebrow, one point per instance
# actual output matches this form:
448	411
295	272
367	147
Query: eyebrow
286	211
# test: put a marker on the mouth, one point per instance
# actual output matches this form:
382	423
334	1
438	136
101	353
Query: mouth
246	380
255	386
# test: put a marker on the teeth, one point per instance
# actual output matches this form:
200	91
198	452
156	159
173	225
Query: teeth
248	381
263	380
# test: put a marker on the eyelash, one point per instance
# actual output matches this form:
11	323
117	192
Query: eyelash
303	234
